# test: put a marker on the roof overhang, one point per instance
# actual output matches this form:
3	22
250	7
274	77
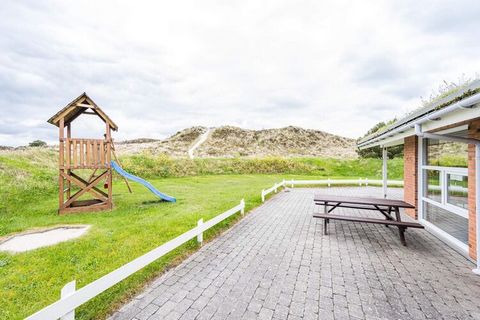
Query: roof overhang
78	106
455	118
464	107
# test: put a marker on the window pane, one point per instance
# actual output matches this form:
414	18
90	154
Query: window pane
447	153
433	185
449	222
457	190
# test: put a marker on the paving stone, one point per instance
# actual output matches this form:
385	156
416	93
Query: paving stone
147	312
277	264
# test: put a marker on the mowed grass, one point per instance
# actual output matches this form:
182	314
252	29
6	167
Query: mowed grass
32	280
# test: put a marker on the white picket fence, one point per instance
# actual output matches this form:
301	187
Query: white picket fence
328	182
70	298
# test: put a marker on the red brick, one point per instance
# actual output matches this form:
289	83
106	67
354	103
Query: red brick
410	173
474	132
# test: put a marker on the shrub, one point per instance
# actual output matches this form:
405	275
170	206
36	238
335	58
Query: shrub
37	143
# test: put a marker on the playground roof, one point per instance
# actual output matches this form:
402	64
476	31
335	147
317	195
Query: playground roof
78	106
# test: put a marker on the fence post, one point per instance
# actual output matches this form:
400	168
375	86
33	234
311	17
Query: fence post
328	182
263	195
360	182
67	291
291	181
200	234
283	183
275	186
242	211
366	182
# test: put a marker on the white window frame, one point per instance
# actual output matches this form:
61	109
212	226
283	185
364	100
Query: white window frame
451	240
444	204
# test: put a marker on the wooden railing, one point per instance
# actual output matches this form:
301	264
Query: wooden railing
86	154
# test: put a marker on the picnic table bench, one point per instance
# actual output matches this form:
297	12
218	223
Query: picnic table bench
384	206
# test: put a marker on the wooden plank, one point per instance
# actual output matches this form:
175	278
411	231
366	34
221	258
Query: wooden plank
68	152
97	193
120	164
85	189
102	153
75	153
100	207
94	154
82	154
368	220
108	138
84	105
352	206
88	152
69	145
363	200
84	183
61	197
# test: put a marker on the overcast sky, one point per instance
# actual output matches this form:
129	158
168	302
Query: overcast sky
158	67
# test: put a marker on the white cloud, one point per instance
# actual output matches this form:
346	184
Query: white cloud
157	67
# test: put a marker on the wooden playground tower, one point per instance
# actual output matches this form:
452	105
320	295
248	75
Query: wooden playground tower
90	156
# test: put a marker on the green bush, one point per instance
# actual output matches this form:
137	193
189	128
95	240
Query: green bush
37	143
151	166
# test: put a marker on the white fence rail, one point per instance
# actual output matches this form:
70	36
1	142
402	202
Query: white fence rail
328	182
72	299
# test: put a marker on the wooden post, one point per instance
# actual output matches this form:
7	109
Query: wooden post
108	138
69	157
61	163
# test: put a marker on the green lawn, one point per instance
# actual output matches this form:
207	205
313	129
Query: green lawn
139	223
28	199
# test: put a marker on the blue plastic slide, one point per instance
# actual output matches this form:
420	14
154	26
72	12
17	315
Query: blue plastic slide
142	182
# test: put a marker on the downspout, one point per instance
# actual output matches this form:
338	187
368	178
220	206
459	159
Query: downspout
421	134
477	203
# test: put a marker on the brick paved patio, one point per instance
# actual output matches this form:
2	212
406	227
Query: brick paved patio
276	264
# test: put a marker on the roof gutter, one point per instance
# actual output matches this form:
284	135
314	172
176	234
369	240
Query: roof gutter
465	103
420	133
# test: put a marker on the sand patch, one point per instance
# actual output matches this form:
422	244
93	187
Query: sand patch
42	238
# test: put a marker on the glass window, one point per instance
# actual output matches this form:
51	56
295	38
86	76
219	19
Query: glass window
457	190
449	222
433	190
447	153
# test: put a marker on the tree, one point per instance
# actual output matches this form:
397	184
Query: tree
376	152
37	143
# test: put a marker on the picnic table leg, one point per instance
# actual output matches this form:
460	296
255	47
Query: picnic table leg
402	235
389	212
401	229
325	222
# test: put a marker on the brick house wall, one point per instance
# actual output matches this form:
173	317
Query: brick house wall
474	132
410	173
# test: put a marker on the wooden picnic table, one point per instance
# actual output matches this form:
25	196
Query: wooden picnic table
385	206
